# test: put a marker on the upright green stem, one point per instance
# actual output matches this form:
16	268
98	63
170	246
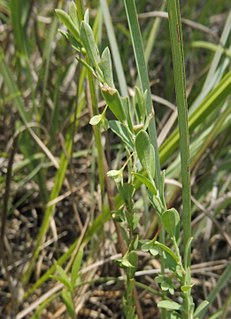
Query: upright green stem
180	87
144	82
97	135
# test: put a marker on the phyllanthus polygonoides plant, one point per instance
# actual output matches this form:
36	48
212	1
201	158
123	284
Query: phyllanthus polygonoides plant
131	126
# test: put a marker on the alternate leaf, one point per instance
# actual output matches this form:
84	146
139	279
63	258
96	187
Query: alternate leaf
66	20
76	266
113	100
88	40
171	222
69	303
145	152
106	67
147	182
63	277
73	15
169	304
123	132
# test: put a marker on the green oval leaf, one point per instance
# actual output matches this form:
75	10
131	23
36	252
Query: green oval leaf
66	20
145	152
171	222
169	304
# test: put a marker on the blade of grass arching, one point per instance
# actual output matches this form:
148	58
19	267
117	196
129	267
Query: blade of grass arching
143	76
153	34
114	48
215	73
59	179
180	88
222	282
208	105
212	47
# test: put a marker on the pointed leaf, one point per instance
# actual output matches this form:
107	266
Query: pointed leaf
169	304
66	20
73	15
145	152
63	277
123	132
76	267
127	190
147	182
171	221
67	299
88	40
106	67
113	100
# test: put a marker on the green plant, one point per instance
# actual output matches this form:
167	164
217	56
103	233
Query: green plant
138	177
139	148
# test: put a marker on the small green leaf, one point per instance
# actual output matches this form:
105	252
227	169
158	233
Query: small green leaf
151	247
63	277
76	266
147	182
165	283
167	250
124	263
169	304
156	203
123	132
96	119
88	40
145	152
69	303
66	20
171	222
113	100
73	15
186	288
106	67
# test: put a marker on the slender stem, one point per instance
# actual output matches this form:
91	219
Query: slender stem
143	75
180	87
144	81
